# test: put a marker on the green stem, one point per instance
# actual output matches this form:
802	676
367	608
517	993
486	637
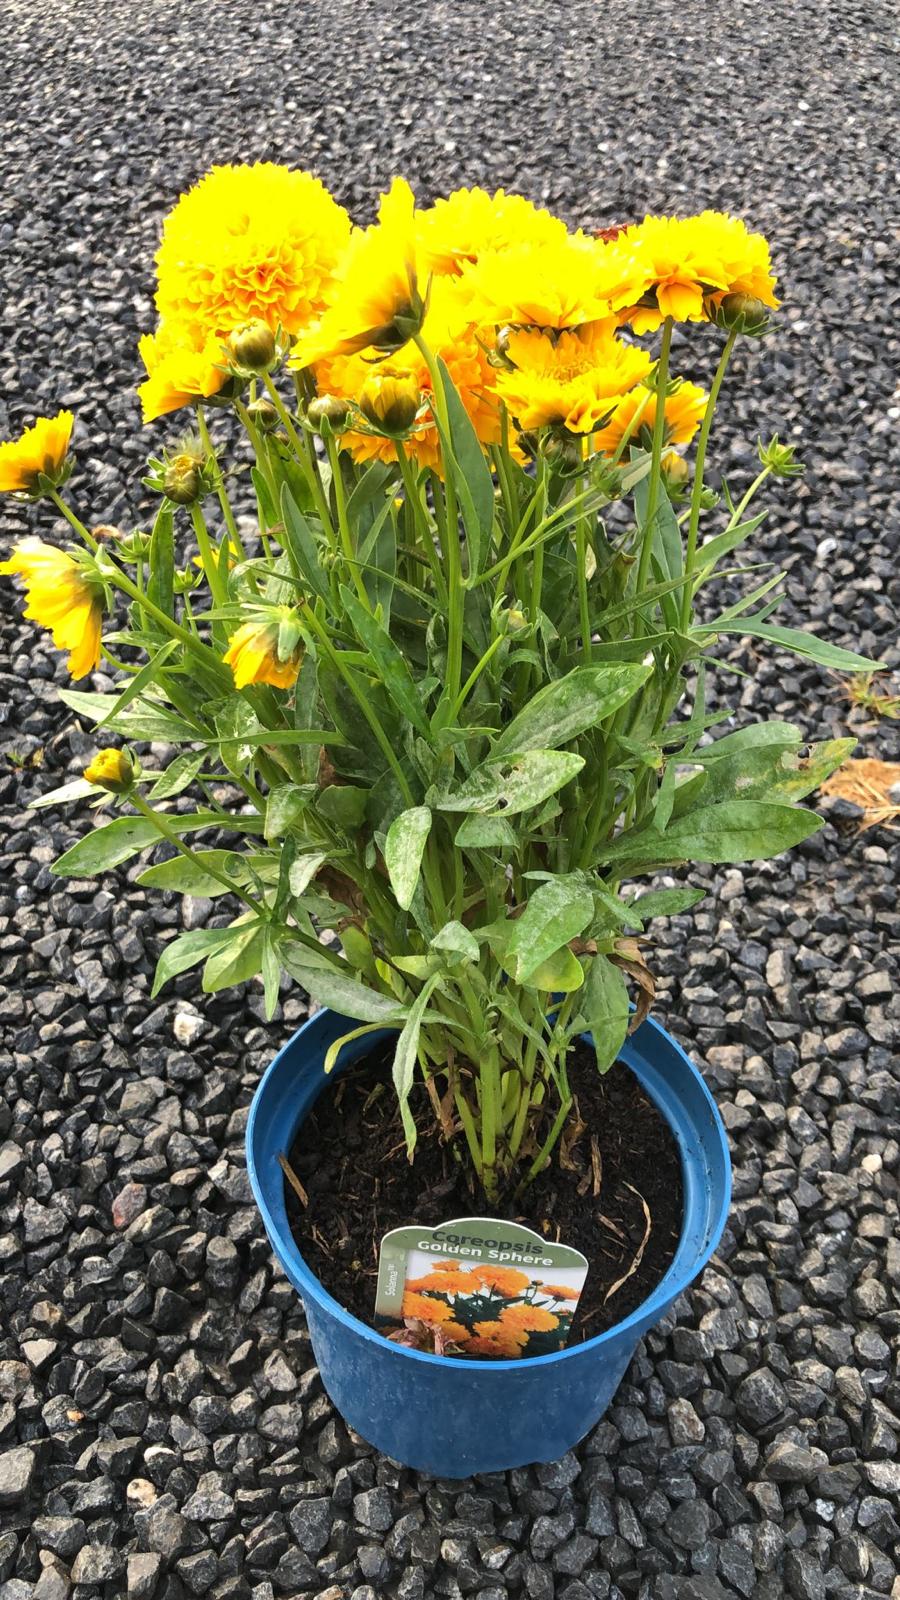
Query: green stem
346	532
659	428
74	522
208	556
221	490
455	584
690	557
160	822
208	656
361	699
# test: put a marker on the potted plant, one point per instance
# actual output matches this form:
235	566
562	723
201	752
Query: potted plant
428	611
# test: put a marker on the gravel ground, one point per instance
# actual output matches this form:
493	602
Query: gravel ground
163	1431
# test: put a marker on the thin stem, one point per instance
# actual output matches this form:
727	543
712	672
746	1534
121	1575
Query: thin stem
690	557
208	656
221	490
161	823
361	699
346	532
73	521
659	428
208	556
455	584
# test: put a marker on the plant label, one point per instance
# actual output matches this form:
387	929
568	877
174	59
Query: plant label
477	1287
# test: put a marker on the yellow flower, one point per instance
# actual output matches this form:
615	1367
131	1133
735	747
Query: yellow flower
505	1280
492	1339
559	1291
41	449
426	1309
558	284
684	413
692	263
456	1332
181	368
375	302
110	770
256	653
528	1319
573	381
246	243
62	597
451	337
455	232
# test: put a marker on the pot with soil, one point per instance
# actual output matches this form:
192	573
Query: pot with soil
457	1416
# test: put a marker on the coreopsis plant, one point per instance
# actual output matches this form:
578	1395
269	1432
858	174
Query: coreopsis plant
427	606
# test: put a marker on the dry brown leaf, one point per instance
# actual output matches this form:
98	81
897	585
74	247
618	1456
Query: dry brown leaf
293	1180
614	1287
866	783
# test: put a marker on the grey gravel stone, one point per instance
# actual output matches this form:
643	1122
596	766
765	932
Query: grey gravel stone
17	1470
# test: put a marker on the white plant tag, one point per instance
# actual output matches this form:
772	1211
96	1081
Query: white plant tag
478	1287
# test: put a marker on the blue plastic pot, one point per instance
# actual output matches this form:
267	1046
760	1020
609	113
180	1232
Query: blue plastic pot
453	1417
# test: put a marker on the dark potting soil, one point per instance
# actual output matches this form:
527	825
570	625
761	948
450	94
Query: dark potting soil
613	1189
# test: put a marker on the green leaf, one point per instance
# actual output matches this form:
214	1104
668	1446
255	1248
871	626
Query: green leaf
285	805
343	804
403	851
304	870
516	783
561	973
405	1059
126	837
557	912
735	830
301	542
241	958
663	903
800	643
330	987
783	734
485	833
454	940
570	706
139	682
471	476
772	772
78	789
337	1045
392	668
161	576
604	1005
271	972
711	552
185	952
178	776
189	877
146	720
666	532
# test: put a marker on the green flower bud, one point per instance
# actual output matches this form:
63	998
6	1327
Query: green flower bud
779	458
328	414
252	347
742	313
263	415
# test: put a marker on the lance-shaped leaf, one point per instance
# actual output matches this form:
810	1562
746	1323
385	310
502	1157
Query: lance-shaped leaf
161	573
405	1059
557	912
515	783
178	776
192	877
185	952
661	903
455	943
770	772
328	986
128	836
403	850
238	959
753	735
604	1005
142	720
285	804
799	642
564	709
392	668
303	870
302	544
471	476
735	830
485	833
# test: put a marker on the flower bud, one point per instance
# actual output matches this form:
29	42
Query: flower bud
105	530
263	415
562	452
390	404
779	458
181	480
111	770
252	347
327	413
742	313
675	470
516	618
